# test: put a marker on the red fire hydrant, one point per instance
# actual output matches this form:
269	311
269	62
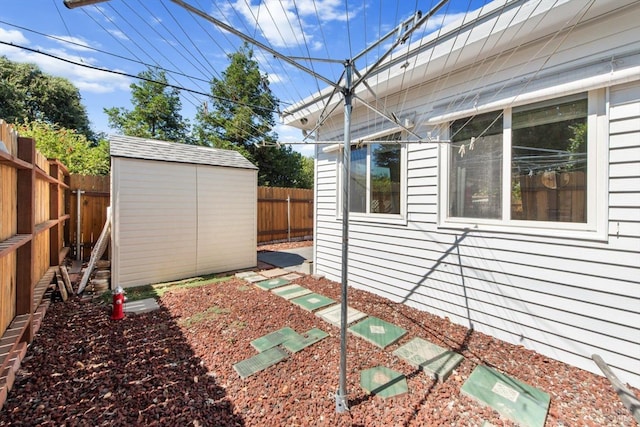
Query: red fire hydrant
118	304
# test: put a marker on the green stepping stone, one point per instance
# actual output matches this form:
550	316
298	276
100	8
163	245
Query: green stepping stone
515	400
274	339
383	382
260	361
433	359
272	283
312	301
377	331
312	336
255	278
291	291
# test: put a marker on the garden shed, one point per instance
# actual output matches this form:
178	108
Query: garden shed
179	211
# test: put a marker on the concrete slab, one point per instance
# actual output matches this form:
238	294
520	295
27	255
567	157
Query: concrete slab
377	331
515	400
333	315
310	337
274	339
141	306
260	361
274	272
291	291
255	279
383	382
312	301
436	361
289	259
272	283
292	276
245	274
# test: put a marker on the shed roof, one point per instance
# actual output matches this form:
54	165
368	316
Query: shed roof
153	149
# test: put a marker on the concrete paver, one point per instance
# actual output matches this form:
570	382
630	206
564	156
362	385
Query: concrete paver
436	361
272	283
517	401
291	291
141	306
383	382
333	315
377	331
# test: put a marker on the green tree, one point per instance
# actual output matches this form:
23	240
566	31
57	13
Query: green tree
26	93
156	110
306	173
72	148
241	118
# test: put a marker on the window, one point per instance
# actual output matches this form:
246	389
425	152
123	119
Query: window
549	162
376	188
476	167
532	166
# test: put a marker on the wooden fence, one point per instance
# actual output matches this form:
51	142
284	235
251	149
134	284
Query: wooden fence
95	197
284	214
33	192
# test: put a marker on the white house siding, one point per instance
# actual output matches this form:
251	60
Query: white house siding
156	210
564	297
226	232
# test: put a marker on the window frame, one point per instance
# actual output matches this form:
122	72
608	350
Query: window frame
595	227
383	218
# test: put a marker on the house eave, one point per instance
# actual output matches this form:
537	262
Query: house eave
492	30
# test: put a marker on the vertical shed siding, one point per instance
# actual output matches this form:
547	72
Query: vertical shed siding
155	227
226	219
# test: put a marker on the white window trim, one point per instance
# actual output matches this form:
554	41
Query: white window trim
596	227
398	219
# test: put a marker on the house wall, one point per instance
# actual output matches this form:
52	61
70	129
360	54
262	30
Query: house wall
564	297
174	220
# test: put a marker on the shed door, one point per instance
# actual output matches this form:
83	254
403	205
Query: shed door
155	212
226	219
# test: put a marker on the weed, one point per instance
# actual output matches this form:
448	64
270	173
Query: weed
159	289
208	314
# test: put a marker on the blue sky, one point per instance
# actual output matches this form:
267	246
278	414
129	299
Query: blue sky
126	35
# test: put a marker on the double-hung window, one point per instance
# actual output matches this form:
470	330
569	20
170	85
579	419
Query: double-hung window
538	166
377	183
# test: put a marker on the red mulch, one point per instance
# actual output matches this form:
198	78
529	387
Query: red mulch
174	367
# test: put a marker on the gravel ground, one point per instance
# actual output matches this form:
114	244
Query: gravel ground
174	367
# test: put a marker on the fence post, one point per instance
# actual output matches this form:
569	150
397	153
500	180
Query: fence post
26	217
288	217
78	223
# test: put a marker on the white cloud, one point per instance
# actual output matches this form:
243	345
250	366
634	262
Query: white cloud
283	22
329	10
99	87
289	134
85	79
118	34
275	78
13	36
442	20
74	43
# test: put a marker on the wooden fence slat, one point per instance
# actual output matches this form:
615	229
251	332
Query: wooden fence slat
272	212
284	214
31	217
